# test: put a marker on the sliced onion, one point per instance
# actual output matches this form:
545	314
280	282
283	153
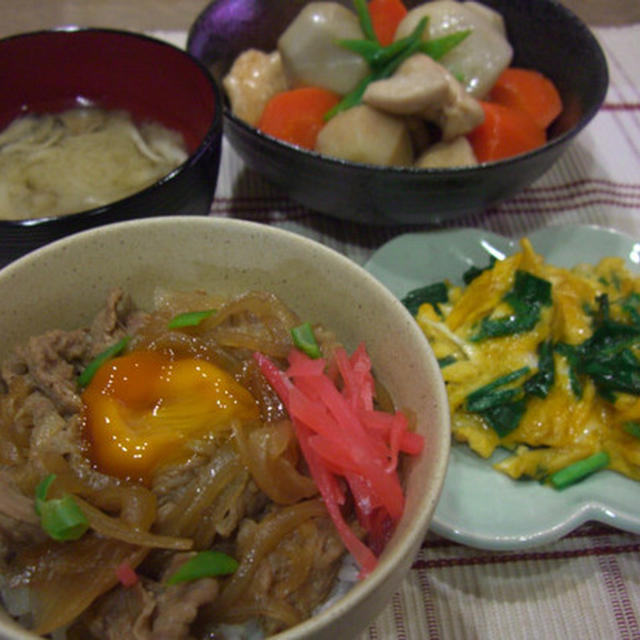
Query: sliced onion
267	451
255	321
119	530
66	578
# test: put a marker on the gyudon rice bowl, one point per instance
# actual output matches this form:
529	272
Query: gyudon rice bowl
214	466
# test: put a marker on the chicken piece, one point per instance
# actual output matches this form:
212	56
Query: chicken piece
421	86
459	115
481	57
366	135
254	78
418	83
456	153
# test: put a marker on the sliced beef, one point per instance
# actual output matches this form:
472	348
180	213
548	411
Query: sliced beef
13	503
315	570
42	402
19	525
149	611
52	360
177	608
17	533
121	613
118	318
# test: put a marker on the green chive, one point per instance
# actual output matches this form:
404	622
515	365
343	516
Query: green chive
305	340
497	382
579	470
61	518
432	294
189	319
204	565
632	428
481	402
504	418
87	375
446	361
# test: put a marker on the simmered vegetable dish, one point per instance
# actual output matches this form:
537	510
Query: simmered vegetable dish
430	87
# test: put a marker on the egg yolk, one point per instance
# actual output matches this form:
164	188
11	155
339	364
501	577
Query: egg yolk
142	409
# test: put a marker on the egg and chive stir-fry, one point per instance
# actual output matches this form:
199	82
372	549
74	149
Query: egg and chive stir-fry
542	361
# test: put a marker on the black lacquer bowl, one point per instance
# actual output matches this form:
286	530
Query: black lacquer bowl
50	71
545	36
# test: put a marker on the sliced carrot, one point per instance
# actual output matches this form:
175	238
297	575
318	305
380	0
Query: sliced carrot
530	91
296	116
386	15
505	132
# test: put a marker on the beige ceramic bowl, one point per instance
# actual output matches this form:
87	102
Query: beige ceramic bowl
63	284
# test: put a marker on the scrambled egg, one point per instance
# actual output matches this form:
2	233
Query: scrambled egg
540	360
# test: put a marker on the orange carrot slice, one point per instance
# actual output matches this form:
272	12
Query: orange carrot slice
505	132
386	15
296	116
529	91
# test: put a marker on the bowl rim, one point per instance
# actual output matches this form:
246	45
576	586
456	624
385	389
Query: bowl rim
214	129
410	537
336	163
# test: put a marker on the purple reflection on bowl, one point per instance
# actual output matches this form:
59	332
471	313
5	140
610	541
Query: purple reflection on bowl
227	16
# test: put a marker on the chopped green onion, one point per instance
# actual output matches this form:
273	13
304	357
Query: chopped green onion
305	340
632	428
189	319
579	470
43	489
87	375
61	518
204	565
365	20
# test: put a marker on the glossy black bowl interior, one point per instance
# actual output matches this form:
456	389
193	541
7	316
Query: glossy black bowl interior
50	71
545	36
